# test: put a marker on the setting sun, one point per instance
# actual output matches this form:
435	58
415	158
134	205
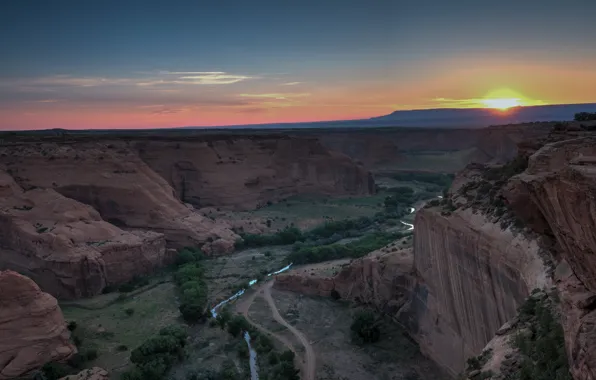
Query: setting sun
505	98
501	103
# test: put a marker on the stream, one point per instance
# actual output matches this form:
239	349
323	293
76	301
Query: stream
254	368
241	292
254	373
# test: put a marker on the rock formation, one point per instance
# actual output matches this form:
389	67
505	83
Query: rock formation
472	277
559	190
382	279
65	246
247	172
110	177
32	328
94	373
385	149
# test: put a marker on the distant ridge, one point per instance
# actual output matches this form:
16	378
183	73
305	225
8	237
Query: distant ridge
428	118
445	118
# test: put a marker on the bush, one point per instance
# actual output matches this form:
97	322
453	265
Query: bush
192	288
238	324
585	116
189	255
365	328
130	311
72	325
355	249
154	357
54	371
543	347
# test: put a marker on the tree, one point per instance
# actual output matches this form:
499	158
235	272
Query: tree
365	327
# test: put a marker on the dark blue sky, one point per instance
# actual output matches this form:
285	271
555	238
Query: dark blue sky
334	43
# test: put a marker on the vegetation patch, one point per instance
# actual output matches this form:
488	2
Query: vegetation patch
540	342
306	255
365	327
272	365
192	287
155	357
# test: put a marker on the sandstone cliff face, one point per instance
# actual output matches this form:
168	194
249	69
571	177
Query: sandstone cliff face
247	172
65	246
383	148
473	275
559	187
383	279
32	328
110	177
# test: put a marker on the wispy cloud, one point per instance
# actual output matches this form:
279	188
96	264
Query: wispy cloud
275	96
196	78
291	83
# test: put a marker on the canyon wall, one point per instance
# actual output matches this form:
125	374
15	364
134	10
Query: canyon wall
245	172
79	213
387	149
558	190
472	277
382	279
32	328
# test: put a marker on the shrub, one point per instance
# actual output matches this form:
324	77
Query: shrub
365	327
543	346
54	371
154	357
130	311
192	288
584	116
238	324
355	249
72	325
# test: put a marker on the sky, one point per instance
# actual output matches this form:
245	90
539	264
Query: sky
145	64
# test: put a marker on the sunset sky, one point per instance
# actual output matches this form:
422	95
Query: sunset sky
144	64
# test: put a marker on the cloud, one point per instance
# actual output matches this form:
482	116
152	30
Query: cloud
275	96
196	78
291	83
214	78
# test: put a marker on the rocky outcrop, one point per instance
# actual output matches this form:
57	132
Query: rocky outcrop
110	177
94	373
559	189
32	328
472	277
386	149
65	246
244	172
383	279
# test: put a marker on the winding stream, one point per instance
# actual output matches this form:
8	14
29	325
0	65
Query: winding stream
254	368
241	292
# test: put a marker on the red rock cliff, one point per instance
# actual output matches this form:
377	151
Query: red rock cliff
559	190
247	172
472	277
65	246
32	328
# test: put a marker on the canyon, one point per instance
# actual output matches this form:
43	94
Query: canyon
479	253
80	213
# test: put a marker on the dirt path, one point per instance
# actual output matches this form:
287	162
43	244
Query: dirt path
244	305
309	362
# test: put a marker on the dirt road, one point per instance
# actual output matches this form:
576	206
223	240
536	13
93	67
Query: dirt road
309	362
310	358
